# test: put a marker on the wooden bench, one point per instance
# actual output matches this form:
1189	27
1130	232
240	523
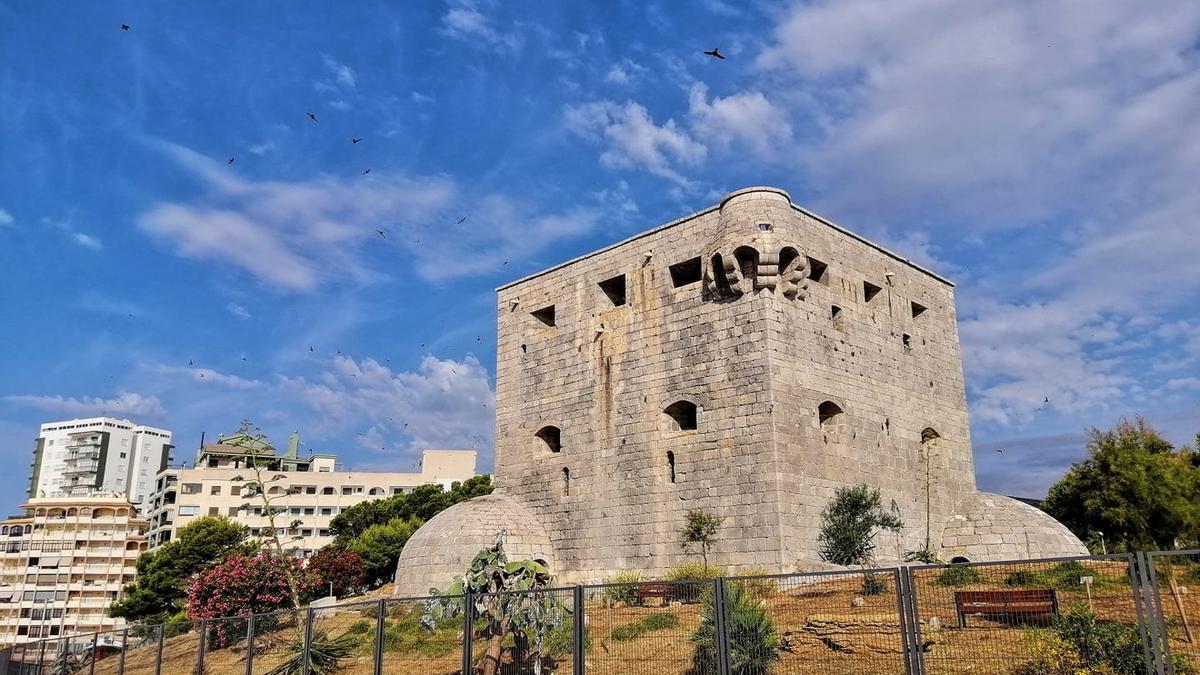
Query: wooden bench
644	591
1005	603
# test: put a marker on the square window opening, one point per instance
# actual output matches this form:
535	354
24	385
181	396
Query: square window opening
614	290
545	315
918	309
870	290
686	272
818	271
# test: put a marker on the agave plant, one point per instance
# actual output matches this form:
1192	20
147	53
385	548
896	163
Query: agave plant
325	654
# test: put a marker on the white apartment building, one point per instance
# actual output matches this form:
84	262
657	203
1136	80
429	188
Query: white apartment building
98	454
62	565
305	492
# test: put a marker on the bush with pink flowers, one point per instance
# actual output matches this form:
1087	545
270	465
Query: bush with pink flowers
242	585
339	569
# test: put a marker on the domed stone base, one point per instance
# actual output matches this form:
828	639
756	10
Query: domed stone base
991	527
442	549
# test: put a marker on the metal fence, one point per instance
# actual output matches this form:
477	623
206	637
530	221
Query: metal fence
1124	613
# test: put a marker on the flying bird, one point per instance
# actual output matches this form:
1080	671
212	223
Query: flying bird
366	171
125	26
230	160
189	362
243	358
1045	399
310	348
715	53
311	116
462	220
382	234
355	141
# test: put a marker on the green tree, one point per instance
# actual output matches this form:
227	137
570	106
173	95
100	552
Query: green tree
379	547
423	503
1133	487
163	574
849	523
700	532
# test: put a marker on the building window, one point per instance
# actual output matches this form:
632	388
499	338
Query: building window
192	488
917	309
214	490
545	315
327	491
614	290
683	415
326	511
551	436
831	419
906	340
870	290
671	465
566	478
764	227
686	273
189	510
232	511
818	271
310	490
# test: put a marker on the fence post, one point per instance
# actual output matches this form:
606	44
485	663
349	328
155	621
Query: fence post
722	629
1156	627
162	637
42	655
380	625
200	647
906	641
468	628
579	641
914	622
124	648
250	644
95	648
308	622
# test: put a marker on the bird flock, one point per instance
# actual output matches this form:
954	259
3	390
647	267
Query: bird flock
714	53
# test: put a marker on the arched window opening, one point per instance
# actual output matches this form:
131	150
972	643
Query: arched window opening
551	436
747	260
375	491
566	481
831	418
671	465
684	415
327	491
718	274
929	434
958	559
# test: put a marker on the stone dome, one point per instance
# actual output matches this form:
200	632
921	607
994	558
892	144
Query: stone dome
991	527
443	548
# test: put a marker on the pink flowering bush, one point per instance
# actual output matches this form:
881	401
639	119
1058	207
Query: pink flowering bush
242	585
340	568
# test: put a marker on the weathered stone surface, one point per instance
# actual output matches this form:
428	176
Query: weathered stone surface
813	358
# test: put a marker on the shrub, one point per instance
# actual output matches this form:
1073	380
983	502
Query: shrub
337	568
661	621
958	576
1021	578
753	642
761	587
622	593
1050	655
690	593
873	584
652	622
360	627
241	585
1104	646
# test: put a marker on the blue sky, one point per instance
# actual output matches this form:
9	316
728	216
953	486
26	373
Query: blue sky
1042	154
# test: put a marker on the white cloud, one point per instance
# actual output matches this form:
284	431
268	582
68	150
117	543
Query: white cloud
339	104
300	235
633	140
463	21
86	241
443	404
208	376
5	218
341	76
1060	119
261	148
133	405
418	97
1184	383
747	118
237	310
624	73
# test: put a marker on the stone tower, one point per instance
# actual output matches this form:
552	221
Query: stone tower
745	360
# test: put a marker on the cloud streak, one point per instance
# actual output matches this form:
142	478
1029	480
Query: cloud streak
125	403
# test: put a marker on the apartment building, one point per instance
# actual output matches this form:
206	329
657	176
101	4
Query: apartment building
64	563
78	457
305	492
